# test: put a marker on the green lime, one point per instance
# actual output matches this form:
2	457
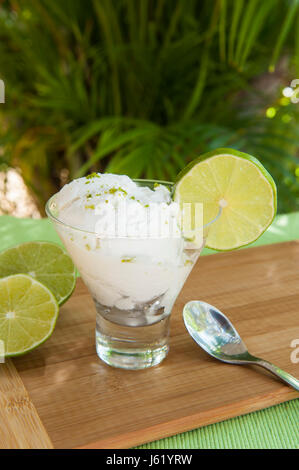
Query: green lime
239	184
46	262
28	313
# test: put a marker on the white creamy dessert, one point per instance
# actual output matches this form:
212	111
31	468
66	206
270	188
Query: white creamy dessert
127	245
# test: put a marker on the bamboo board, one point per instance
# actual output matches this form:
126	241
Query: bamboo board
81	402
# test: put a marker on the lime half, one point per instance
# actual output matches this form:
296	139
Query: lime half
240	185
28	313
46	262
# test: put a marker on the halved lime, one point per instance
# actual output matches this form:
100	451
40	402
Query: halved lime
240	185
28	313
46	262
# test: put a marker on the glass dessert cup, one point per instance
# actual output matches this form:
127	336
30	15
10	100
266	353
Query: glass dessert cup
134	282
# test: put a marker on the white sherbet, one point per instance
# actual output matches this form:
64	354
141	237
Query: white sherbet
125	241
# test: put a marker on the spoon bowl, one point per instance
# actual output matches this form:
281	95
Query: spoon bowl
213	331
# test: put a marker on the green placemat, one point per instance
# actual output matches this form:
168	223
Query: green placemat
271	428
276	427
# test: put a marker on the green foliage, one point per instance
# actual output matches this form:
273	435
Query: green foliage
142	86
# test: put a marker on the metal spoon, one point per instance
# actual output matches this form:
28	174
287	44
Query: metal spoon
211	330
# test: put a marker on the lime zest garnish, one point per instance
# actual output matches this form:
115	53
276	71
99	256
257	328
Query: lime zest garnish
93	175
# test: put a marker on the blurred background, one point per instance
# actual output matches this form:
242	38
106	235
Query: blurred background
141	87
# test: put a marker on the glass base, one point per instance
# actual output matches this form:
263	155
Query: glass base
130	347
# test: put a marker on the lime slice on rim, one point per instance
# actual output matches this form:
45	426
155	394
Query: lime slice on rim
240	185
28	313
46	262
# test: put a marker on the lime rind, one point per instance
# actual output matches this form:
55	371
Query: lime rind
23	286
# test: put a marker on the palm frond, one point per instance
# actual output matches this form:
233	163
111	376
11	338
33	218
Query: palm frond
141	87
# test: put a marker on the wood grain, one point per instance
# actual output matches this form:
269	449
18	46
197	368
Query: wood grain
20	425
84	403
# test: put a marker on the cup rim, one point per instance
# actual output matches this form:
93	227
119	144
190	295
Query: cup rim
136	180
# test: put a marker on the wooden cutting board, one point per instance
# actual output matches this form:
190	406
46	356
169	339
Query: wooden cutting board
62	395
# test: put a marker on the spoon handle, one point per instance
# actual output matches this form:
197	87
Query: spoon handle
285	376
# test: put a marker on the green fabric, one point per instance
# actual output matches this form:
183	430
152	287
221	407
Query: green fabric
275	427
